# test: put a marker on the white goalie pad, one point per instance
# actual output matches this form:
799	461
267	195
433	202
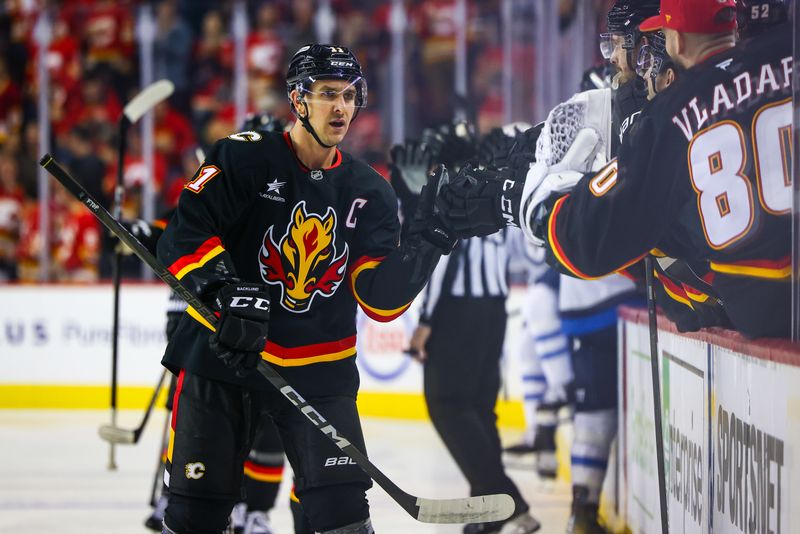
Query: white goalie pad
589	109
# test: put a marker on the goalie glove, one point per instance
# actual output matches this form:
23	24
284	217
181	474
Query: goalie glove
479	202
541	186
559	147
243	326
543	182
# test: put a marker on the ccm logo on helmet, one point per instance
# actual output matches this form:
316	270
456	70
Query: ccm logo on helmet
341	63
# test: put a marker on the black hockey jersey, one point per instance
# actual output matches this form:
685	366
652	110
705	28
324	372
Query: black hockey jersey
323	240
705	178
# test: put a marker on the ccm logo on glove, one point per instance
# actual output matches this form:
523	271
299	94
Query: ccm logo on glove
507	206
244	302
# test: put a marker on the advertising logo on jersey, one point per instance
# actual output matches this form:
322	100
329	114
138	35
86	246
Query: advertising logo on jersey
304	261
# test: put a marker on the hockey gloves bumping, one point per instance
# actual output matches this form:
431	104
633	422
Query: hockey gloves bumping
523	153
428	221
495	148
479	202
542	183
243	325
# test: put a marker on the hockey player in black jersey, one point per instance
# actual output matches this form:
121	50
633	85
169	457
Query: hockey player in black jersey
705	179
285	235
621	46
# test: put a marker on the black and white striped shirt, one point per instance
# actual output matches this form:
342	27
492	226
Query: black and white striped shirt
476	268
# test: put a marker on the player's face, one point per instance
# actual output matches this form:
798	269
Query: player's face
331	106
619	58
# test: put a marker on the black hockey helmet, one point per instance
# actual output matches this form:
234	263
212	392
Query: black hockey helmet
755	16
623	20
313	62
653	56
263	123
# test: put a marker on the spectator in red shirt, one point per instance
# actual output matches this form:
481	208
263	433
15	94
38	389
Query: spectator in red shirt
77	244
265	51
173	133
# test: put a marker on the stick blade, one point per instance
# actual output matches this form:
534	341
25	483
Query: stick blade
113	434
481	509
147	99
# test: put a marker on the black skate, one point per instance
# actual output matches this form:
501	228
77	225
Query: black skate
584	514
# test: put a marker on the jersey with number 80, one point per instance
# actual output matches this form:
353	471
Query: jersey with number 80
705	176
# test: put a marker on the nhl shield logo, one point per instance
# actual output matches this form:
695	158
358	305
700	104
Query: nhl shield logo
303	263
316	174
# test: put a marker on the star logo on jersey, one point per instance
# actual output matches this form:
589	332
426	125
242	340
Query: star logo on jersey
304	261
273	191
275	186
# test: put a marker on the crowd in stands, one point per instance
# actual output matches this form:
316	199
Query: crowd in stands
93	64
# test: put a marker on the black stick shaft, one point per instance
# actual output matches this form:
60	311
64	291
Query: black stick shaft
158	477
116	276
653	326
151	404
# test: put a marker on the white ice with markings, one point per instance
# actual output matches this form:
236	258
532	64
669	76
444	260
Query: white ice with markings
54	477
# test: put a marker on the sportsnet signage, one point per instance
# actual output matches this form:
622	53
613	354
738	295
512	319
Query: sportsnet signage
756	425
730	438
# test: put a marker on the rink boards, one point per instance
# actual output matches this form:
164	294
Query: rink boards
731	419
55	352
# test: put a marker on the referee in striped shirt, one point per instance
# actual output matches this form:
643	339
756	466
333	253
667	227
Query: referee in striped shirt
459	341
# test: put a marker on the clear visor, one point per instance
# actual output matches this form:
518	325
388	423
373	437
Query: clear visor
648	63
612	40
345	92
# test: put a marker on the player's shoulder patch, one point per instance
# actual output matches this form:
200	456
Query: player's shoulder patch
247	146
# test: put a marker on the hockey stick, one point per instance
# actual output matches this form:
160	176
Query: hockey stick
140	104
114	434
653	327
479	509
159	476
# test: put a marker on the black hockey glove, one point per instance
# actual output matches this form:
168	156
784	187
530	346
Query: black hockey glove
452	144
494	149
523	153
428	222
243	325
479	202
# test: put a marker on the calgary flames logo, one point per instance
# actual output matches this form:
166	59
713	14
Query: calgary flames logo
304	262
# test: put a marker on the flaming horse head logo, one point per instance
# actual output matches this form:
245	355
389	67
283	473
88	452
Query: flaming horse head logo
304	262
